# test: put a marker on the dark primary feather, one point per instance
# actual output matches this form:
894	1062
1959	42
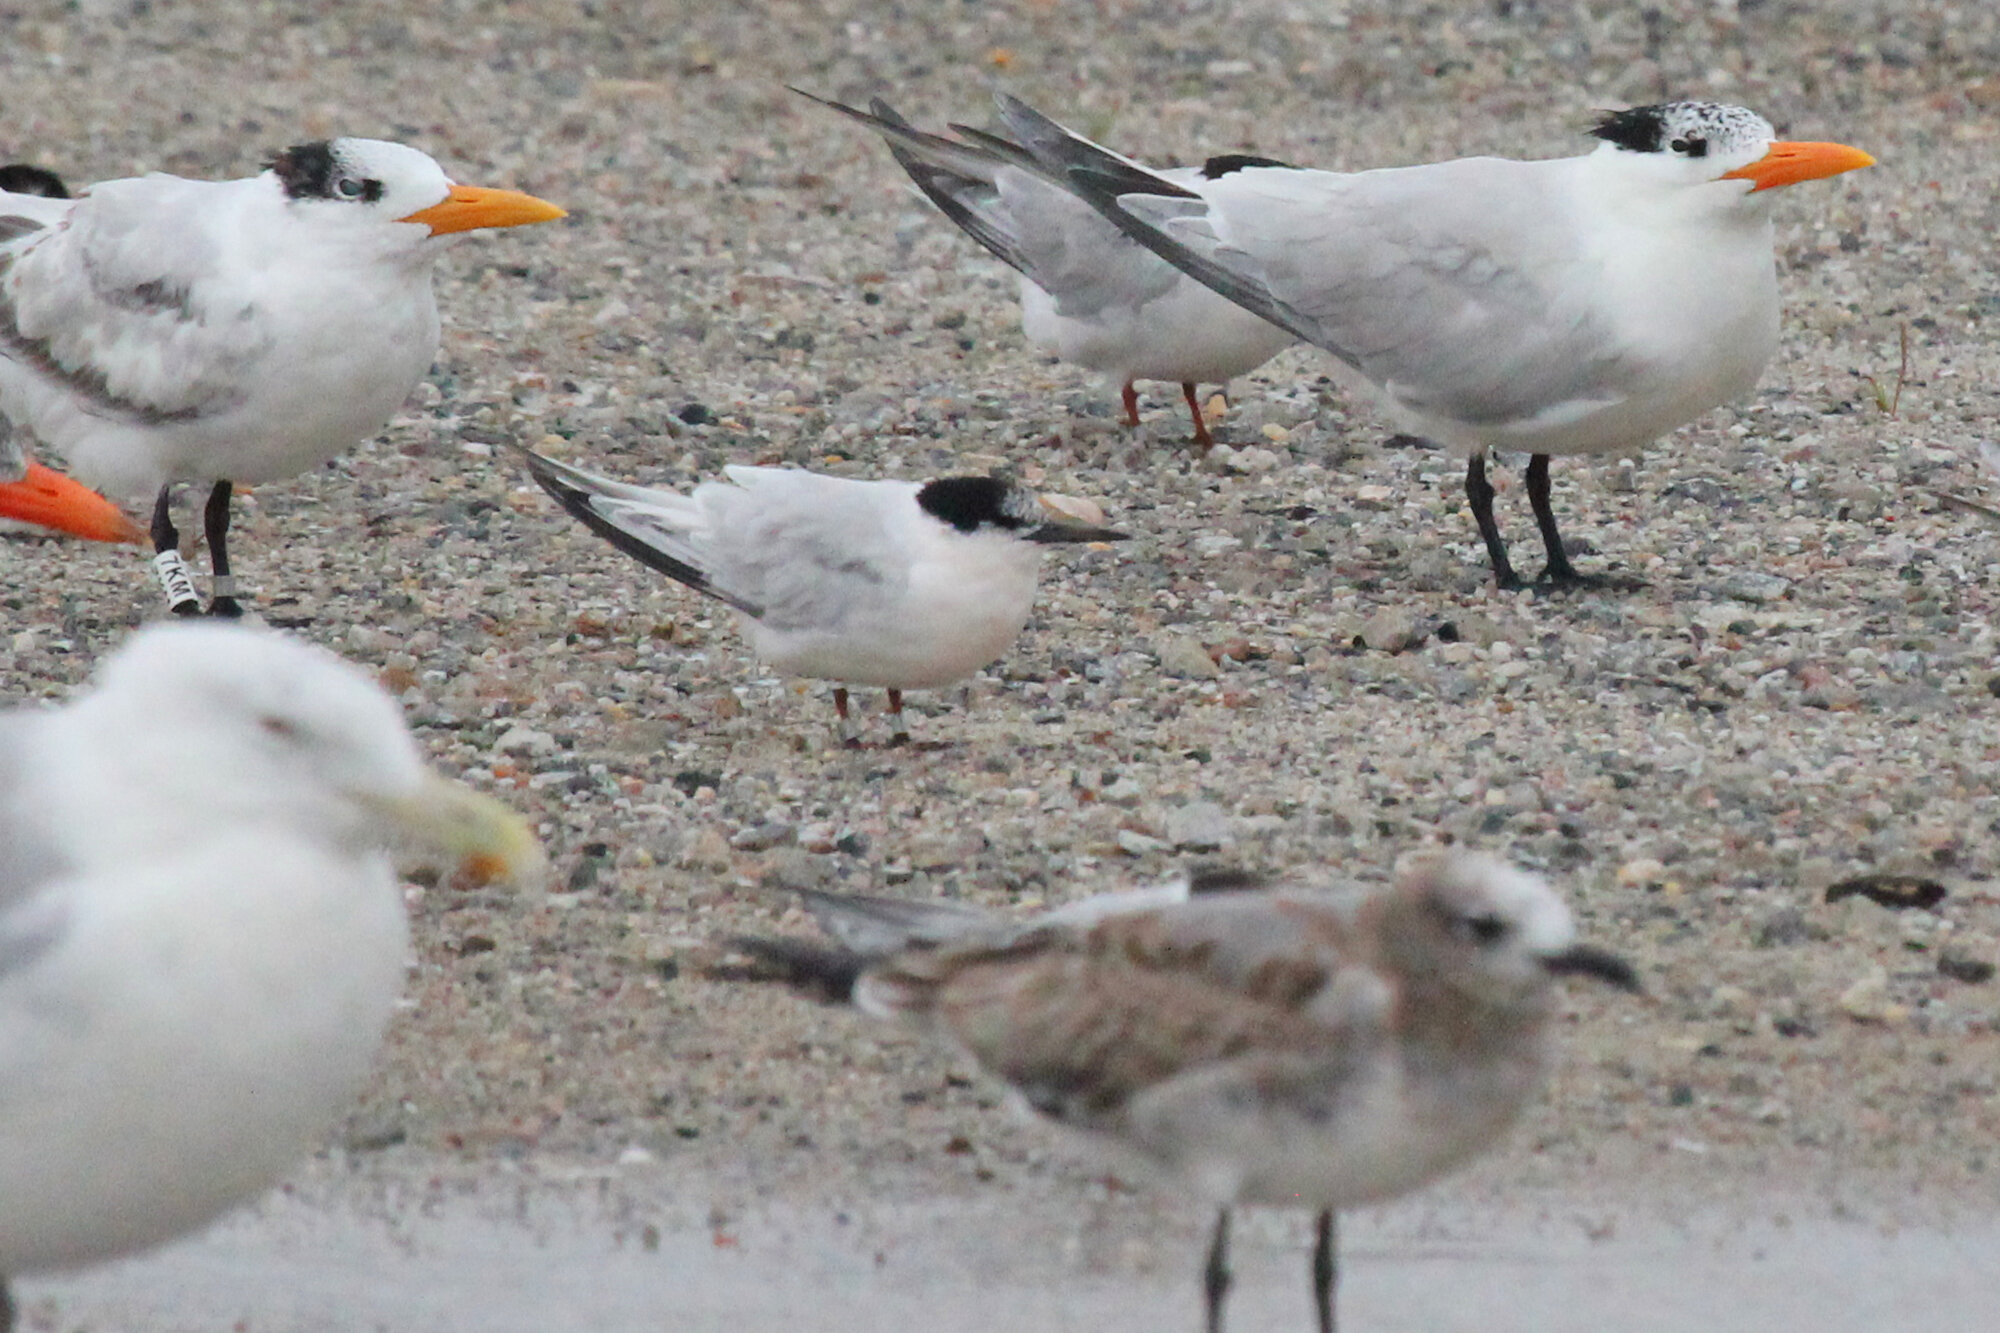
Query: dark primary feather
1057	148
823	970
1101	192
1218	167
581	505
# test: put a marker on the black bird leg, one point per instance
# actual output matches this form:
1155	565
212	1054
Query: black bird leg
1561	573
1480	492
1560	570
168	566
1215	1274
215	522
1326	1268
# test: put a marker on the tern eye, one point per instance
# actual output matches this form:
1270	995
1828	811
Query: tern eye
1692	145
368	191
280	728
1486	929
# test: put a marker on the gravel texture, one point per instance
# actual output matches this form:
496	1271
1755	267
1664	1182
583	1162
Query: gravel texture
1300	657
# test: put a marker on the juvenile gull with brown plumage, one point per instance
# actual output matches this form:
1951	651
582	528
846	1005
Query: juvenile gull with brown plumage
1307	1044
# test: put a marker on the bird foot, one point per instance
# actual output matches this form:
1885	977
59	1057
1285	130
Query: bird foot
226	608
1554	580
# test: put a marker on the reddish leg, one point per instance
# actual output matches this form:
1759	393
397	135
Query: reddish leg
848	737
901	736
1131	403
1201	435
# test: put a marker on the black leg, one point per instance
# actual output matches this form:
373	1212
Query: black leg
215	522
1561	573
1480	492
1326	1268
1560	570
1215	1274
1201	435
901	736
168	566
6	1310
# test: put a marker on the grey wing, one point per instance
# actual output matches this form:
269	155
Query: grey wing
998	194
1445	285
30	920
876	926
811	552
129	302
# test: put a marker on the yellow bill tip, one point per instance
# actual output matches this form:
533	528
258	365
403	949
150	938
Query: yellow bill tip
480	839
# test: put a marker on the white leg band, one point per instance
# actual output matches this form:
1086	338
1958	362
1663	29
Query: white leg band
174	579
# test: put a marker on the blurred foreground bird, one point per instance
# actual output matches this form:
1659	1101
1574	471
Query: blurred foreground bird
898	584
1307	1044
201	937
1088	294
159	330
1578	305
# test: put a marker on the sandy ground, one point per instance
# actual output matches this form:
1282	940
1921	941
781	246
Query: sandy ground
1803	693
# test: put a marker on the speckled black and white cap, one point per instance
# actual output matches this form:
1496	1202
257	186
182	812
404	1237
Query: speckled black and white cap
1690	129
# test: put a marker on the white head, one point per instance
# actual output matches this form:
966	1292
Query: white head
190	729
1697	143
334	180
1489	932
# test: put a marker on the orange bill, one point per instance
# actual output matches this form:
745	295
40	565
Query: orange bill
469	207
1790	163
48	498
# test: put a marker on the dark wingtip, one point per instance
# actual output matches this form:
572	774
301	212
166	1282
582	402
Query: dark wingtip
825	971
1204	880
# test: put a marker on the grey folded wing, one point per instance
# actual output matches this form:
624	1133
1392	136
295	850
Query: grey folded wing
1454	287
130	306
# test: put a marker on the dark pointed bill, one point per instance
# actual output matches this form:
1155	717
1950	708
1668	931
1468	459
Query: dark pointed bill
1585	960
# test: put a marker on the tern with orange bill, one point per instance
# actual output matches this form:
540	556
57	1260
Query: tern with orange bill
1577	305
157	330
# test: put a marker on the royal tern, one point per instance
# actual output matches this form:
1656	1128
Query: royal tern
201	937
1575	305
901	585
1306	1044
1088	294
159	330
